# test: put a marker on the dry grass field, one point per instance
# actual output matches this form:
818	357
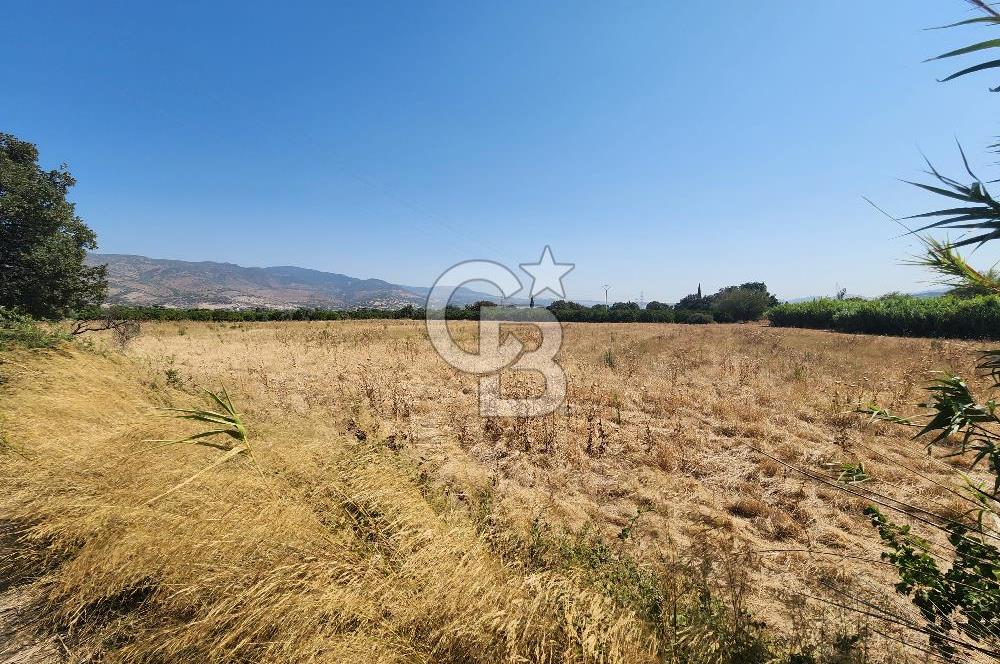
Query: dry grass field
661	515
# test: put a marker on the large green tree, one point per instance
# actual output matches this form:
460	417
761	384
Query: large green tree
43	242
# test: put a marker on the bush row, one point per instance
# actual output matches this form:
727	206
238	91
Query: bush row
901	315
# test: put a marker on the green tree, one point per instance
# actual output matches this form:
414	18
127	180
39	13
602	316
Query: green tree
732	303
478	305
563	304
759	287
43	242
695	302
741	304
624	306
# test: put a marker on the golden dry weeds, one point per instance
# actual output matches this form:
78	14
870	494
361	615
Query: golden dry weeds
394	524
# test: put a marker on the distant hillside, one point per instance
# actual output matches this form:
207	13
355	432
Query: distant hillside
139	280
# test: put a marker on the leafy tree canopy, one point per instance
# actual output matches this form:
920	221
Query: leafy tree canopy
745	302
695	302
625	306
480	304
43	242
742	303
563	304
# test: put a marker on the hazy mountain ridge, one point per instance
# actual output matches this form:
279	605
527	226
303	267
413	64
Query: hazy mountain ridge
937	292
140	280
144	281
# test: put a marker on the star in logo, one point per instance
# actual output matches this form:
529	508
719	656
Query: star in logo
547	274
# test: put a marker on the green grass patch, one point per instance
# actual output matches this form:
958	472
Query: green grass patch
20	331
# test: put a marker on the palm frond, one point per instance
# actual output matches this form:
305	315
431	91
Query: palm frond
954	271
991	18
989	363
981	214
232	426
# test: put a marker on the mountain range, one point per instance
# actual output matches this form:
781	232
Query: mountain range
143	281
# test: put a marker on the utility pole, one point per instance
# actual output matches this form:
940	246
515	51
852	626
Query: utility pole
642	299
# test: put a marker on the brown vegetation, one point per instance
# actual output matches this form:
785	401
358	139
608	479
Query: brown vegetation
392	523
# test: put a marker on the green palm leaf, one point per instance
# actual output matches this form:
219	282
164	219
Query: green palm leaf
989	43
232	426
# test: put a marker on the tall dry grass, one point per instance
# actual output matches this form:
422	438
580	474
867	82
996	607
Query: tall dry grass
335	556
394	524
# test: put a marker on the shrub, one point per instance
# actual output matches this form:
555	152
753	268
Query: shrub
902	315
964	599
694	317
123	330
19	330
817	314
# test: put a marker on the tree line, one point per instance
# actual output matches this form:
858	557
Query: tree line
731	304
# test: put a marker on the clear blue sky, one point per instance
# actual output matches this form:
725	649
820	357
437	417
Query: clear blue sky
654	144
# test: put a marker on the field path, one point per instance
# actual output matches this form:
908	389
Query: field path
17	644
